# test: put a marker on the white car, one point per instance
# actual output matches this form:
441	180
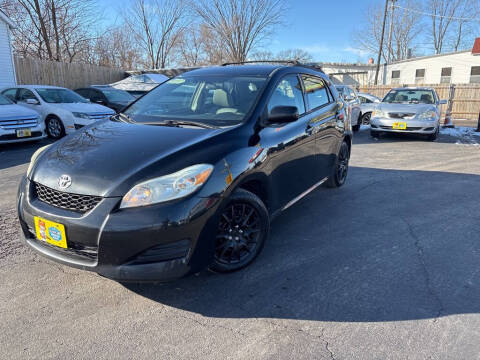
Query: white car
19	124
139	85
62	110
367	105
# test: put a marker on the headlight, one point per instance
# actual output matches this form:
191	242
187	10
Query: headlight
34	157
428	115
81	115
168	187
379	113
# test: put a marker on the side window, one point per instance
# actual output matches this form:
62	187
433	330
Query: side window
25	94
10	93
95	95
316	92
83	92
288	93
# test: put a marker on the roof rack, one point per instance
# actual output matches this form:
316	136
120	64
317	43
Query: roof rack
290	62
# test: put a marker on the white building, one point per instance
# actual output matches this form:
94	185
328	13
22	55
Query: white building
457	68
7	67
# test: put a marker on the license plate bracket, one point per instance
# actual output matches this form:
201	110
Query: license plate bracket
24	133
400	125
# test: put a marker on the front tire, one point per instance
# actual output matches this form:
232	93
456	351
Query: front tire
242	230
433	137
54	127
340	169
366	118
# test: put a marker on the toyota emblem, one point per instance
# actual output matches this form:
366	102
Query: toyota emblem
64	181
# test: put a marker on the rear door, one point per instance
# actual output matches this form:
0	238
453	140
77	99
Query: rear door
321	114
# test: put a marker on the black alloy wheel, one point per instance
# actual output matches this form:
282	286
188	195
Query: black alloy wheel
242	230
340	170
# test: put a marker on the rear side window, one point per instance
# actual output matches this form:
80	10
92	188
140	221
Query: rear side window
316	92
288	93
25	94
84	93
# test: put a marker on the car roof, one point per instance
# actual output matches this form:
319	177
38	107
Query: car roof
258	70
413	88
36	86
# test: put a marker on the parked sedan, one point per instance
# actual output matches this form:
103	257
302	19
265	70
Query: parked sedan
139	85
408	110
367	105
353	105
19	124
189	176
62	110
110	97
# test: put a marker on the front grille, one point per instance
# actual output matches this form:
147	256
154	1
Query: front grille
15	137
18	122
401	115
63	200
99	116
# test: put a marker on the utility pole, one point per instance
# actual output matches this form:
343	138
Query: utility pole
390	33
381	42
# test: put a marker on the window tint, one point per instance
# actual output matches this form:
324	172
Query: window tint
96	95
84	93
288	93
316	92
25	94
364	100
10	93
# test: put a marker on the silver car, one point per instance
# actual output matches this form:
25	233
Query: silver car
367	105
408	110
352	101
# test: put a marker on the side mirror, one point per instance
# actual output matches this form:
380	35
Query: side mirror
443	102
283	115
32	102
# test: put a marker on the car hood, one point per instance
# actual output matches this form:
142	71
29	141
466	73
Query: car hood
405	108
108	158
85	108
13	111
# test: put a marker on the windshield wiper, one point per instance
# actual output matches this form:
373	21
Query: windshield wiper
177	123
123	118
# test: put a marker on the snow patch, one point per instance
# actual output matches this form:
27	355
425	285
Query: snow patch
459	131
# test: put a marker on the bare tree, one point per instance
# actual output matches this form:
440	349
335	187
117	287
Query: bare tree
463	30
442	14
51	29
240	25
295	54
406	27
158	26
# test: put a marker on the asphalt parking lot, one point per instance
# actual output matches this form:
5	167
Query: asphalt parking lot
387	267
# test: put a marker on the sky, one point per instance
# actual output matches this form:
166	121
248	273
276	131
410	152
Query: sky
322	27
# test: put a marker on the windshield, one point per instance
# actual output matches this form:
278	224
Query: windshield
60	96
213	100
117	95
407	96
5	101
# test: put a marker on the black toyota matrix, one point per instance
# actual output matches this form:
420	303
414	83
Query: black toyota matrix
188	176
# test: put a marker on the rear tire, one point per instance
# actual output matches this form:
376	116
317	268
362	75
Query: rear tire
242	230
54	127
340	168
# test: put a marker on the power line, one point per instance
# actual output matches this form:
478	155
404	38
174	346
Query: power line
435	15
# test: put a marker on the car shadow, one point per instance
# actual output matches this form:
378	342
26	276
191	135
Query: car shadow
363	137
19	153
389	246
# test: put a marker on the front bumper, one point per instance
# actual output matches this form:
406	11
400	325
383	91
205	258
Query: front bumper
8	136
413	125
154	243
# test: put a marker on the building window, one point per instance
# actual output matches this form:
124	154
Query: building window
420	76
395	77
475	74
446	75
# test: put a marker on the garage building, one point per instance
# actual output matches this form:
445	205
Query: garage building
7	66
